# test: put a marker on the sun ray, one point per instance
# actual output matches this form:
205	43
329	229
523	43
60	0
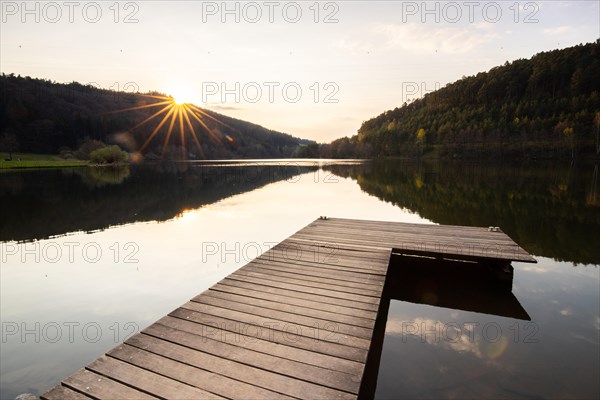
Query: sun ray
193	131
153	96
160	103
162	110
181	132
155	131
170	131
204	113
212	135
177	112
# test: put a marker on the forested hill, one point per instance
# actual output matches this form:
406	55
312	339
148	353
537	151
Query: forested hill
40	116
546	106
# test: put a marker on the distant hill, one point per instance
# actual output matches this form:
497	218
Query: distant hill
546	106
40	116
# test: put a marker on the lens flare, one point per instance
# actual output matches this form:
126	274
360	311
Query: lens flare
178	114
494	350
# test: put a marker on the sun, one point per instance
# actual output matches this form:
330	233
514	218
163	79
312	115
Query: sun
181	100
177	112
183	94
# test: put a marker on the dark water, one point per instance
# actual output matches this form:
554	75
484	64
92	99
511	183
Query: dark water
541	340
109	251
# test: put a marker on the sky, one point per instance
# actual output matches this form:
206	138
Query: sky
313	69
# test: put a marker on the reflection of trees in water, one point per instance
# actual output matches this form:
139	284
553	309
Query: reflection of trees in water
10	184
44	203
550	210
108	175
592	199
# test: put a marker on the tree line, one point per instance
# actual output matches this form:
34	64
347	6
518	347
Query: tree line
545	106
42	116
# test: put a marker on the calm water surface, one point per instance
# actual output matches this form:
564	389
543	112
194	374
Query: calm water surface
89	257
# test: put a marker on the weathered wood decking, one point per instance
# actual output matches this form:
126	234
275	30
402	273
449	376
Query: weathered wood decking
296	322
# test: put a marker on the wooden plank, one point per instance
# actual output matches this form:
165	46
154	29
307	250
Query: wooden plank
318	271
319	250
102	388
274	335
303	280
287	252
63	393
254	343
401	239
324	324
301	295
489	250
179	368
268	305
366	316
349	246
257	270
350	275
433	236
354	266
324	251
144	380
371	228
391	228
328	332
303	288
238	352
244	373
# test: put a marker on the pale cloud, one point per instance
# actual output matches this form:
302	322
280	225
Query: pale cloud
219	107
557	30
454	337
484	26
420	38
535	268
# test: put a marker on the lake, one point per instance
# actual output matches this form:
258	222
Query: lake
91	256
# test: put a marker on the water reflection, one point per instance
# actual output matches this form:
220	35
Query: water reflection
549	209
42	204
123	287
434	352
100	176
479	287
461	340
449	335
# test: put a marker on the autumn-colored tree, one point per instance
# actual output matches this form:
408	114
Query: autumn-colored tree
421	136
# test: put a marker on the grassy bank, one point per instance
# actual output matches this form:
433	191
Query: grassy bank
28	160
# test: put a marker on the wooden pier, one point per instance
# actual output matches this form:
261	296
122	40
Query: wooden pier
297	322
